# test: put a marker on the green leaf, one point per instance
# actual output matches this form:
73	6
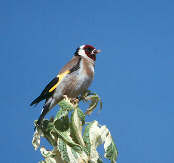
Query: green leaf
61	145
65	135
76	128
47	125
51	156
94	99
94	136
62	124
66	105
74	153
36	139
47	128
61	113
111	152
86	138
99	160
81	115
68	153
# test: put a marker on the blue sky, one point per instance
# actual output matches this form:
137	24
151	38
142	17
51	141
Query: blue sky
134	73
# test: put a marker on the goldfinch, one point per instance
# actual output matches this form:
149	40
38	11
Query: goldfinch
73	79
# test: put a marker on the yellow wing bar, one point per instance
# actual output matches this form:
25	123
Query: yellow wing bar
60	77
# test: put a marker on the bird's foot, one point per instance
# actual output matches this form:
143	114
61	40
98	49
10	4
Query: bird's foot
85	95
66	98
73	101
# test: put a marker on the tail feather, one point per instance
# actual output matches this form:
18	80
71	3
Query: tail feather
37	100
41	117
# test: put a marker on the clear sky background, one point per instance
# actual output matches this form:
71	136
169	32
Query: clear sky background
134	73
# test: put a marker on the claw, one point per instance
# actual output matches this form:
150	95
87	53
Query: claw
73	101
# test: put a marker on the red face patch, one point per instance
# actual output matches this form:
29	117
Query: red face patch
89	52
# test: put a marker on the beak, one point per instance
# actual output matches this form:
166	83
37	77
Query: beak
96	51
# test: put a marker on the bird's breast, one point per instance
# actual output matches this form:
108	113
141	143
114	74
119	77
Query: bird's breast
85	76
76	82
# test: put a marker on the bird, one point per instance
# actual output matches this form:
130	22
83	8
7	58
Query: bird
72	80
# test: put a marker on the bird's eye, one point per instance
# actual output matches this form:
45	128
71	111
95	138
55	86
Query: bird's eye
88	50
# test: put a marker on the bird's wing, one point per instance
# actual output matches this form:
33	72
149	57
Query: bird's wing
70	67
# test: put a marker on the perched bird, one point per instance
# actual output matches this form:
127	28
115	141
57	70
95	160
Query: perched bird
74	79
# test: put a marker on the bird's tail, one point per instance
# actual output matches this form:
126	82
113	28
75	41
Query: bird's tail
37	100
41	117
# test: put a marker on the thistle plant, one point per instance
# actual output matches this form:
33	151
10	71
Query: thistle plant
64	133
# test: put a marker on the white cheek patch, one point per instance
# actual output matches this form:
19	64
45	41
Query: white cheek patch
83	54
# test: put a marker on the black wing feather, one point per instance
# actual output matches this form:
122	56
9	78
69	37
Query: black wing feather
45	93
76	67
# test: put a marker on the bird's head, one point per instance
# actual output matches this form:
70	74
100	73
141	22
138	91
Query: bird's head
87	51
